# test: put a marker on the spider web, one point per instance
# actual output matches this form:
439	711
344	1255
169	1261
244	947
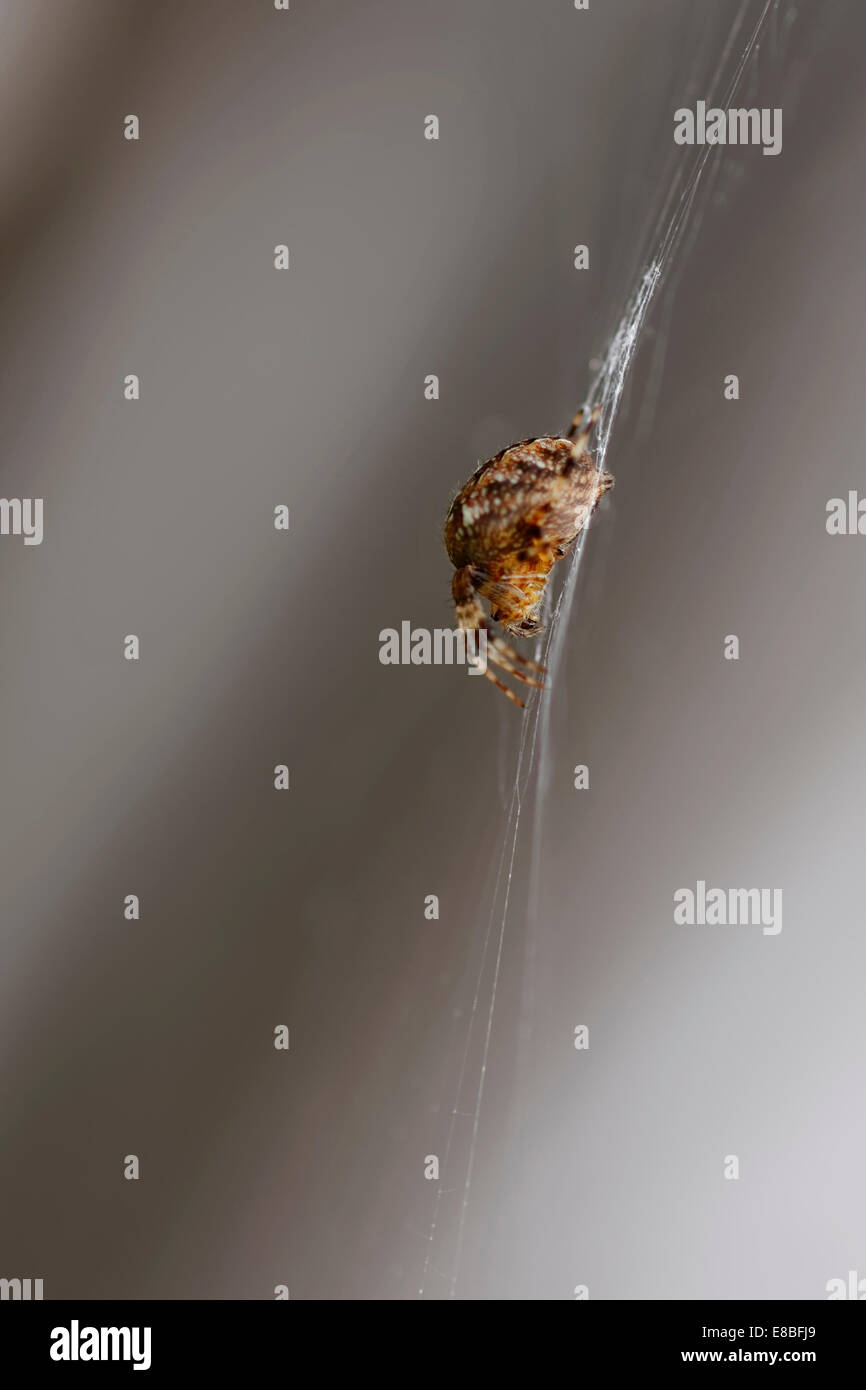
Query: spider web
671	231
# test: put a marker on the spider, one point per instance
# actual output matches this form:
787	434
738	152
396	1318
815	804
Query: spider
519	513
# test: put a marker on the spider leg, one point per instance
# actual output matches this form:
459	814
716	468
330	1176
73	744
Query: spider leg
500	645
502	655
500	685
581	428
581	459
471	618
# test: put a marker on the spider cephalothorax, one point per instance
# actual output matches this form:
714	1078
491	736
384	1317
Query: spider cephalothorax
520	512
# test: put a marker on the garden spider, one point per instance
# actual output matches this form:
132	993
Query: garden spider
519	513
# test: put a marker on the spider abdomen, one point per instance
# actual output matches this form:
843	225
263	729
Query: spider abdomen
531	499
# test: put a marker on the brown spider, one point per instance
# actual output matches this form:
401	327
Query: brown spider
520	512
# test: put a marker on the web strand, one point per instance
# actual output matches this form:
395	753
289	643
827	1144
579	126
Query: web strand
678	211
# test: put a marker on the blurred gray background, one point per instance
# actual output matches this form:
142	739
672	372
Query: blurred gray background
411	257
